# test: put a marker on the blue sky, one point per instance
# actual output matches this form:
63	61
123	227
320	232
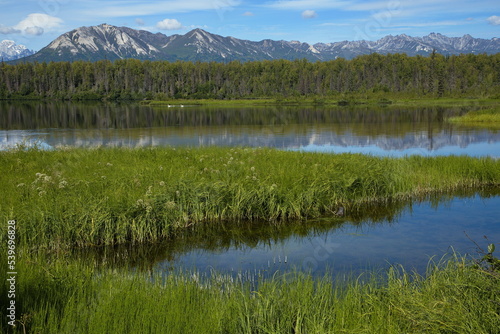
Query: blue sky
35	23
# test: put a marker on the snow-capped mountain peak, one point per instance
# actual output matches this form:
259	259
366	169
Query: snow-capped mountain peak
9	50
103	39
110	42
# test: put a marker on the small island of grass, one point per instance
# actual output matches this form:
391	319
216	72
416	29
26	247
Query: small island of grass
483	118
103	196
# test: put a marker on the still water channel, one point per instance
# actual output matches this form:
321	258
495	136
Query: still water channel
370	130
403	233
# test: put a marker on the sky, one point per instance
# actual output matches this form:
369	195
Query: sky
35	23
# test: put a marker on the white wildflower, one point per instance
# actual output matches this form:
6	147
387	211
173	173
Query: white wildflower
170	205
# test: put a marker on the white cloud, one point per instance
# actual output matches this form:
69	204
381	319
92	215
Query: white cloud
34	24
37	24
494	20
169	24
8	30
247	14
139	22
309	14
35	31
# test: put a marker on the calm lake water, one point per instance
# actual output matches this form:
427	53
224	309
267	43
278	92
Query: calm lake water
412	235
408	234
372	130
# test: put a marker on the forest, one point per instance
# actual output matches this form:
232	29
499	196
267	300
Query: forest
374	75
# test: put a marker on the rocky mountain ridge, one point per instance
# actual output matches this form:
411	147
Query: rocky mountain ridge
110	42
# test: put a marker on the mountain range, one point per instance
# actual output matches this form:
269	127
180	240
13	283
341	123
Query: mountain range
9	50
110	42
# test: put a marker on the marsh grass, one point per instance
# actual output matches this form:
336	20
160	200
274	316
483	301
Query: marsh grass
489	118
103	196
60	296
348	99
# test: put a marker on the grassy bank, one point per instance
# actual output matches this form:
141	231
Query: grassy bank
290	101
348	99
66	297
77	197
483	118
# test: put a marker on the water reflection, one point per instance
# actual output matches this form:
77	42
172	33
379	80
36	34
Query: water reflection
378	131
403	233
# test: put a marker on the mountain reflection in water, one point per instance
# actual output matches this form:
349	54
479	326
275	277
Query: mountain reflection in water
367	129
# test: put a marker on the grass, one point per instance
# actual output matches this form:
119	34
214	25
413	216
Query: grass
245	102
343	99
489	118
58	296
102	196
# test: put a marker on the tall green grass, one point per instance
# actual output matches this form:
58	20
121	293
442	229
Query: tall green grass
78	197
340	99
483	118
69	297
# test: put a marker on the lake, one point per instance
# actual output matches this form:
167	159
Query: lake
404	233
387	131
409	234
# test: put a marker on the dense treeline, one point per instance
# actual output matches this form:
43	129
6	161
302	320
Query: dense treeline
434	76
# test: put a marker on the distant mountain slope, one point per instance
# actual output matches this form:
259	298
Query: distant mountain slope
110	42
9	50
100	42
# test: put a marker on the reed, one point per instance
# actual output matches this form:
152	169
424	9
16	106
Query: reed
489	118
102	196
70	297
399	99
